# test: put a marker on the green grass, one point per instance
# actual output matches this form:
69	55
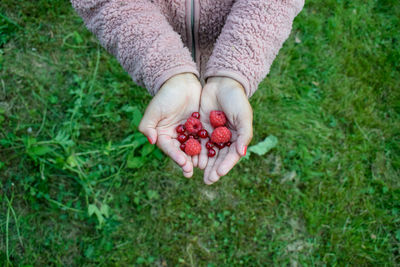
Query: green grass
328	194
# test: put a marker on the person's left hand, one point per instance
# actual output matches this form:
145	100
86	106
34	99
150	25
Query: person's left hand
227	95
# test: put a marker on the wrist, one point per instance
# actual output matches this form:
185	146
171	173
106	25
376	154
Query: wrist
181	85
186	78
222	85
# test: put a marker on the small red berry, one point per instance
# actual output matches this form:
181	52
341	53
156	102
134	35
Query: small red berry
211	153
209	145
193	125
182	147
180	129
182	138
203	133
196	115
228	144
220	145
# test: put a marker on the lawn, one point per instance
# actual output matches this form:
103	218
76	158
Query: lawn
80	186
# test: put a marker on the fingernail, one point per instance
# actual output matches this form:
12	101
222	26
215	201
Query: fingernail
244	151
149	139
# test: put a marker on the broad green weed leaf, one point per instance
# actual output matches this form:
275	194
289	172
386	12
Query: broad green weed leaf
136	116
158	154
135	162
78	38
108	148
92	209
39	150
5	142
128	139
71	160
2	165
140	138
64	140
105	210
135	113
147	149
263	147
398	234
28	141
53	99
151	194
89	252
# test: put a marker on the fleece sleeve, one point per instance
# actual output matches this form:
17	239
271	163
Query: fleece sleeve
252	36
140	37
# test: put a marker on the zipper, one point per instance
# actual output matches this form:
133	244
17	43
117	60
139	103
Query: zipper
192	29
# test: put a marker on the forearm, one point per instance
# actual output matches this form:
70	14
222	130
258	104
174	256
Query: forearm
139	36
250	40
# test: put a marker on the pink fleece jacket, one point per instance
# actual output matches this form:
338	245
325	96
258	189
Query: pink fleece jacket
157	39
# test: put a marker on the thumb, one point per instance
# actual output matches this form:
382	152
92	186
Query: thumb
149	123
244	130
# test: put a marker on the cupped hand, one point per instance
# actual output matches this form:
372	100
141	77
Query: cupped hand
172	105
227	95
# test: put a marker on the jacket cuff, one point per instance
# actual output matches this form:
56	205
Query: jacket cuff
239	77
166	75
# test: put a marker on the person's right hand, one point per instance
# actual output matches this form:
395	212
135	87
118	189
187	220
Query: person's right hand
227	95
176	100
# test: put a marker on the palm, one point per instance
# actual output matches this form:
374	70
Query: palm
172	105
234	104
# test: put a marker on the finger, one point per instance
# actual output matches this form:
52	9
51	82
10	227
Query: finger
149	123
244	131
195	160
208	169
188	169
203	157
171	148
229	161
188	174
213	175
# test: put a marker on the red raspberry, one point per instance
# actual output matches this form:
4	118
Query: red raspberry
196	115
182	138
209	145
217	118
182	147
180	128
203	133
193	125
193	147
221	135
211	153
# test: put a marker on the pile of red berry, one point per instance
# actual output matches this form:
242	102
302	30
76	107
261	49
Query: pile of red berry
189	133
221	135
192	130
